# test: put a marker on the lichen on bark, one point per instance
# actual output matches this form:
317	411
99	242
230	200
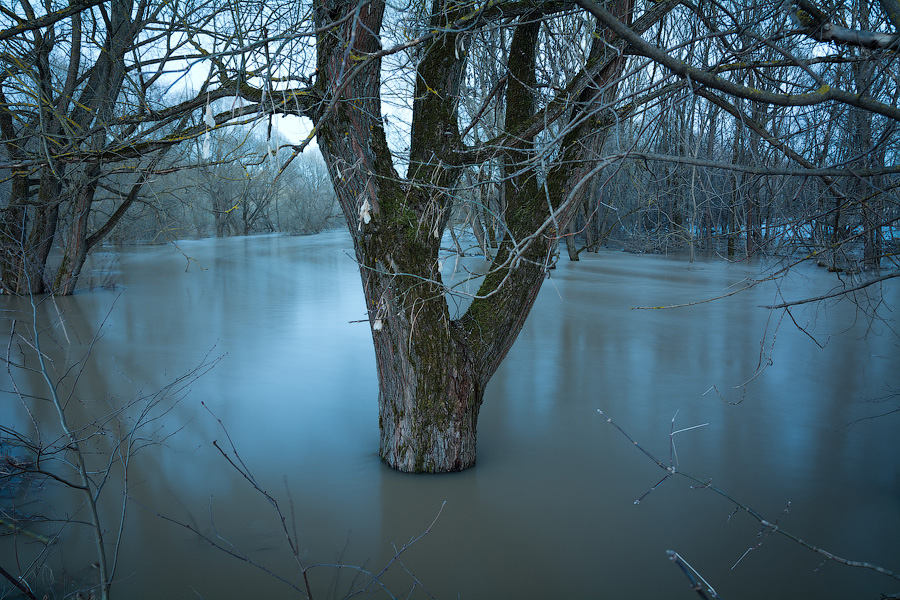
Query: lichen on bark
432	370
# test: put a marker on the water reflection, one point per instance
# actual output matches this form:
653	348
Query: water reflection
548	511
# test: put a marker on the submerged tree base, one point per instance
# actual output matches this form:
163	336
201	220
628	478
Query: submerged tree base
427	448
427	424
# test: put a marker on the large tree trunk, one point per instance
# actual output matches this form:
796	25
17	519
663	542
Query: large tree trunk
27	228
429	386
430	392
433	370
27	234
76	248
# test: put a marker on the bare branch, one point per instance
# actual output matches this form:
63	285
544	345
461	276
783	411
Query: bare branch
49	18
768	526
835	294
700	76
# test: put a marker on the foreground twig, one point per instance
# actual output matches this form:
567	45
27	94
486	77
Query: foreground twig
228	549
372	581
739	506
375	578
693	576
835	294
85	454
21	586
240	467
91	491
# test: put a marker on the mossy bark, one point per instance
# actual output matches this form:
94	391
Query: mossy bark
28	226
432	369
430	390
18	272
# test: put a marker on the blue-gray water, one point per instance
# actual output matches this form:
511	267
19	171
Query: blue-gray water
548	512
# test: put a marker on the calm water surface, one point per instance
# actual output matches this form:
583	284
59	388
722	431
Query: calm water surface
549	510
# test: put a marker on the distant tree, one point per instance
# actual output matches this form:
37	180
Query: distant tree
307	203
248	188
792	91
86	118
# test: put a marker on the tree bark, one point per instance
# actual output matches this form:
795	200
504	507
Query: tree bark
430	392
29	224
76	249
27	231
432	369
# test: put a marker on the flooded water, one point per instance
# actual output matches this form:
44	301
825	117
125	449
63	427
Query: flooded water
549	511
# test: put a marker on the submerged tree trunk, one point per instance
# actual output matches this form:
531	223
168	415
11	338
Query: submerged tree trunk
76	249
27	231
431	380
433	369
430	393
28	225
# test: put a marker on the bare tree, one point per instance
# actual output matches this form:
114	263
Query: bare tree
520	117
758	181
84	108
308	203
80	451
433	369
548	111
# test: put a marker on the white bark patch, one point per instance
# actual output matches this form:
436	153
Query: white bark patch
365	213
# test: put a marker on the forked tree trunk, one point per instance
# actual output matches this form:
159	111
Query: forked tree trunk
28	227
432	370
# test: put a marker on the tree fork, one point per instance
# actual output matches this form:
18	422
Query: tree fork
432	370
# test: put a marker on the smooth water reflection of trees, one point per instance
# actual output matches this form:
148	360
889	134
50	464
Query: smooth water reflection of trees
549	508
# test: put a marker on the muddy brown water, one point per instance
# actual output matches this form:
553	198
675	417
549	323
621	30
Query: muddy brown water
549	511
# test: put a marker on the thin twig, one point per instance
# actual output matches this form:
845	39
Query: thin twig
233	552
767	525
13	580
828	296
693	576
242	468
